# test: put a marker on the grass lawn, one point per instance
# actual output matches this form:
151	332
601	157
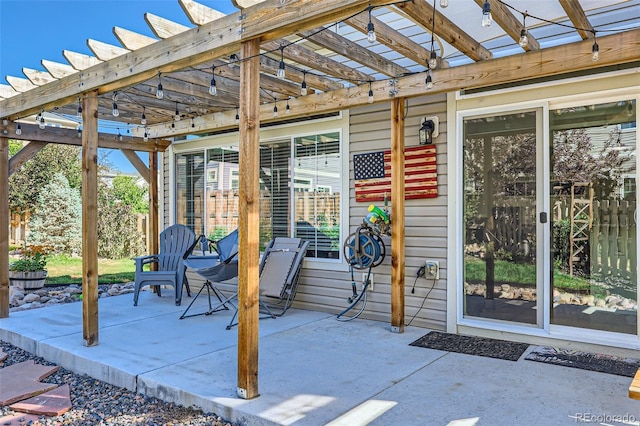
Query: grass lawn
522	274
68	270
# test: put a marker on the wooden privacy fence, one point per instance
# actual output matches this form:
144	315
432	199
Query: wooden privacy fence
612	235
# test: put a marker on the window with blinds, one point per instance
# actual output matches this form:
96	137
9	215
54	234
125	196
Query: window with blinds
300	182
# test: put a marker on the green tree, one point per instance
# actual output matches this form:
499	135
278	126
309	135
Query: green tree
127	191
26	184
118	235
57	218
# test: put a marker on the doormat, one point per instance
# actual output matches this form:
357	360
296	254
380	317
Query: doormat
480	346
585	360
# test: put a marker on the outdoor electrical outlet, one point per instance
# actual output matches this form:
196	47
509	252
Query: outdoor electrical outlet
432	269
364	281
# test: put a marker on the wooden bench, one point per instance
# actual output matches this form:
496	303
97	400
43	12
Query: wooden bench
634	389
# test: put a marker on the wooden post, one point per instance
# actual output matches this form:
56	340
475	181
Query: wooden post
4	227
397	215
249	208
90	219
154	233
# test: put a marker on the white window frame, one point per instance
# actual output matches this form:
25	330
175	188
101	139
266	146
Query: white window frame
339	124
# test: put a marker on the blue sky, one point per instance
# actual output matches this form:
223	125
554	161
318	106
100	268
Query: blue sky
32	30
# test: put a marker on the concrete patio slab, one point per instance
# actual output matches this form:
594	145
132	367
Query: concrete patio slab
314	370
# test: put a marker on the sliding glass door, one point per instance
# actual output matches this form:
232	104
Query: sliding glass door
550	223
500	200
594	198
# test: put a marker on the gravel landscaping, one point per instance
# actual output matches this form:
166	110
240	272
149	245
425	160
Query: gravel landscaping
97	403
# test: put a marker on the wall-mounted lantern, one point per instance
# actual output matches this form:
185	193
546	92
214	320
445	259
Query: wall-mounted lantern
428	130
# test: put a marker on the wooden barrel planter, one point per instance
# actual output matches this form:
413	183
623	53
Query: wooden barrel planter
29	280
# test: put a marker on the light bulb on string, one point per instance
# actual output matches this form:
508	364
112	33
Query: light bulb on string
119	135
145	137
213	90
143	118
429	80
370	100
42	124
233	60
275	110
237	116
193	125
176	117
79	113
5	121
115	111
281	67
287	110
303	87
433	59
486	14
79	131
524	40
444	3
18	130
159	91
371	31
114	97
595	52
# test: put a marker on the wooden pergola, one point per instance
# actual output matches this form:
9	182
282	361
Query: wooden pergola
242	54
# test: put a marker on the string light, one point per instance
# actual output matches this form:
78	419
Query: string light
176	117
119	135
193	125
213	90
275	110
233	60
237	116
114	97
371	31
145	137
159	91
524	40
303	88
5	121
287	110
115	111
444	3
281	71
18	130
433	58
429	81
370	94
595	49
79	113
79	131
486	14
143	118
42	123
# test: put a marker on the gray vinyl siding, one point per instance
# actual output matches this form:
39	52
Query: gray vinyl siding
327	289
165	187
326	286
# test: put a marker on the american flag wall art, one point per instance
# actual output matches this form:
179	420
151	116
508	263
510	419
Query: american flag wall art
372	174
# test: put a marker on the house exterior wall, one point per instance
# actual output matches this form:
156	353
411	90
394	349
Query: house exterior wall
325	285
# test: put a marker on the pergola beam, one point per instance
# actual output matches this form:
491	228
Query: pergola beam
190	48
615	49
33	133
510	24
24	155
578	18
